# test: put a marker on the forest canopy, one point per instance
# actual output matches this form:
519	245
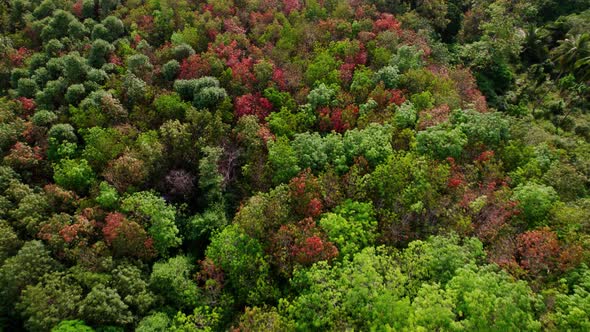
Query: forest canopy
294	165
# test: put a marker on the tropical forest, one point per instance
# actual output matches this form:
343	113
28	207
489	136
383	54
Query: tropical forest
294	165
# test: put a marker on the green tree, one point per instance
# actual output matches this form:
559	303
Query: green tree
282	160
156	322
173	280
242	259
535	201
9	241
74	174
55	298
352	226
31	262
441	143
72	326
158	216
103	306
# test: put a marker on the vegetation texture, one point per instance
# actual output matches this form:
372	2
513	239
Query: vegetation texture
294	165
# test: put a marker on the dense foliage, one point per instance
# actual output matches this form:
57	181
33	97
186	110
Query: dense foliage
310	165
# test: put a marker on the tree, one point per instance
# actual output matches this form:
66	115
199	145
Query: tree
31	262
245	265
98	52
389	75
74	174
55	298
352	226
103	306
535	202
333	298
156	322
267	319
170	70
571	307
508	304
441	143
9	241
406	58
172	279
573	55
72	326
282	160
159	217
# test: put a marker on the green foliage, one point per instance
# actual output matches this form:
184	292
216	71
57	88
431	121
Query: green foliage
246	267
283	160
173	280
535	201
103	306
170	70
158	216
288	123
107	197
72	326
373	143
9	241
156	322
352	226
405	116
203	319
406	58
362	83
322	95
55	298
98	53
323	69
389	75
508	304
31	262
74	174
490	129
571	308
359	294
440	142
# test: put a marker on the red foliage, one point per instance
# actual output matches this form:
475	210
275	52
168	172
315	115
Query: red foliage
77	8
114	59
466	85
387	22
346	72
314	208
252	105
146	23
397	97
27	104
291	5
265	134
60	199
305	190
278	76
127	238
22	156
113	222
302	243
410	37
193	67
433	117
230	25
540	252
18	56
338	119
485	156
210	272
